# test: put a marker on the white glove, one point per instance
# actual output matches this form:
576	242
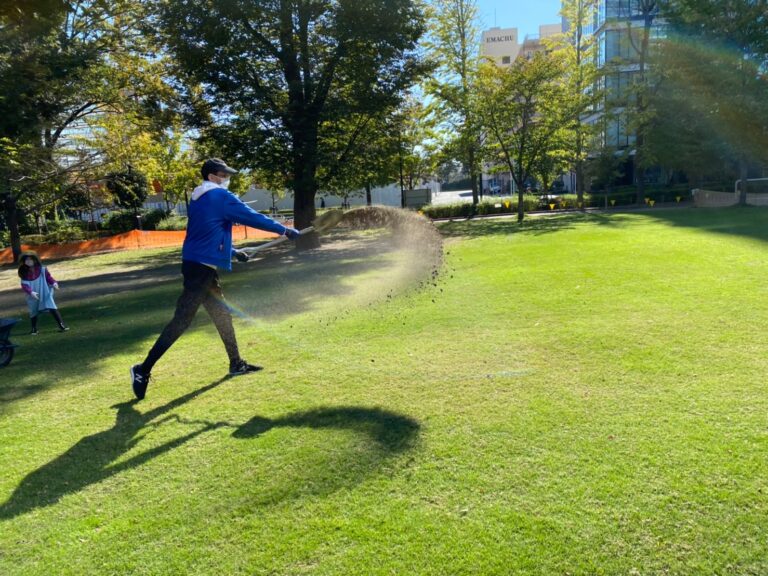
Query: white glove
55	285
35	295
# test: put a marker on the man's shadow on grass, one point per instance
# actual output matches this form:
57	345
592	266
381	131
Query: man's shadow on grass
362	440
90	460
391	431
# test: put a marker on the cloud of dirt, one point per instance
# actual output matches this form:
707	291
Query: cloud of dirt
372	255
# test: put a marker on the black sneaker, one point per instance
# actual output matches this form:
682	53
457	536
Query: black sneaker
242	367
33	333
139	380
63	328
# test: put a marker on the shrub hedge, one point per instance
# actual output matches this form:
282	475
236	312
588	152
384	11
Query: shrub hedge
465	209
125	220
623	196
172	222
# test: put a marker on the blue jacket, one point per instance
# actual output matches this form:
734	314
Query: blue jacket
212	211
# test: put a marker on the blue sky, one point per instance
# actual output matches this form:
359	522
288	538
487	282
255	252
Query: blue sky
525	15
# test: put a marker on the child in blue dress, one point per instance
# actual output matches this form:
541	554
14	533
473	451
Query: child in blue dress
38	285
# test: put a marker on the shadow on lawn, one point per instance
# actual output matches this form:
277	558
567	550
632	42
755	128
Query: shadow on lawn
746	221
363	439
749	222
392	432
118	324
90	460
532	225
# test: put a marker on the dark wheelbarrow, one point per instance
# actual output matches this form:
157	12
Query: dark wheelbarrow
7	348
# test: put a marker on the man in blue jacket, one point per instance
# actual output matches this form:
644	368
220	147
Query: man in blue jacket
207	247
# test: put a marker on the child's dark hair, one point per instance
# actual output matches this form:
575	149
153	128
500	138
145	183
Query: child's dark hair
23	268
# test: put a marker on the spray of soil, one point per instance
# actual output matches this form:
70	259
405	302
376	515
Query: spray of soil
372	255
413	235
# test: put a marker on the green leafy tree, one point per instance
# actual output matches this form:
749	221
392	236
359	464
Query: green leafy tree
371	164
178	172
693	135
522	109
579	50
395	147
453	44
604	168
713	89
638	105
161	152
129	188
414	129
270	80
58	66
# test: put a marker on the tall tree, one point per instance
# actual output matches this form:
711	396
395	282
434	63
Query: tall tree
58	67
130	188
414	128
579	51
453	44
275	76
523	109
124	137
395	148
641	114
372	162
714	66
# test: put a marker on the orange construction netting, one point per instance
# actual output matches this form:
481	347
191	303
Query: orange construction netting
133	240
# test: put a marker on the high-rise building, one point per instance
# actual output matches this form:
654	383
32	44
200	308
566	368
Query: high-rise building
619	26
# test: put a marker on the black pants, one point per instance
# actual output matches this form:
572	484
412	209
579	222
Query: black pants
201	286
56	315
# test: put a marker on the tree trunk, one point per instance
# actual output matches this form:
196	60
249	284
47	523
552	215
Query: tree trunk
519	181
402	181
12	219
744	175
579	166
641	104
473	174
368	194
639	180
305	184
579	92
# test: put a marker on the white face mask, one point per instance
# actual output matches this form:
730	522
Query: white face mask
28	262
224	183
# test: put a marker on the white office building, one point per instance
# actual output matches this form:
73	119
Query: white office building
500	44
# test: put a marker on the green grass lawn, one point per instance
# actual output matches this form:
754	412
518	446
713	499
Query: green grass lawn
585	394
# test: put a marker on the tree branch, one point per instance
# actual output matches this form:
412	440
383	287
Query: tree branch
76	114
261	39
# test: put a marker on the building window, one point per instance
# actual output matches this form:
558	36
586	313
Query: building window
617	133
619	88
616	45
620	9
506	59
